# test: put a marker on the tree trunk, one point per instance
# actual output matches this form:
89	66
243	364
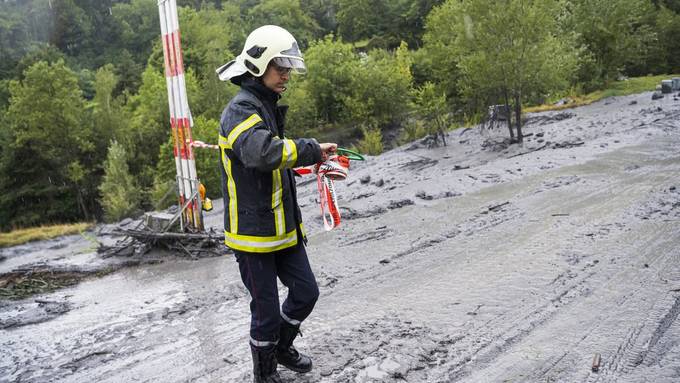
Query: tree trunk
81	203
509	116
518	116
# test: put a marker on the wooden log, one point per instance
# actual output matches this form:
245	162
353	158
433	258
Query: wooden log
597	359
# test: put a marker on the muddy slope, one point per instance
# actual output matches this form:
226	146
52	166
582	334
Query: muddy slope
475	262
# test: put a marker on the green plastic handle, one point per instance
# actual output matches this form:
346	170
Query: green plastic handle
351	154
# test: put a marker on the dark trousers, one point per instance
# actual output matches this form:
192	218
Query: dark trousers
259	273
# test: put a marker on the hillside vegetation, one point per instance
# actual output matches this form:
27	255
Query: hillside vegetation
83	94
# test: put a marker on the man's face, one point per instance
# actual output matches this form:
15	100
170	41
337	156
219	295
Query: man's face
276	77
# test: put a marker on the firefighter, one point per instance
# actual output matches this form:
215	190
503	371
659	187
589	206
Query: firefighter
262	219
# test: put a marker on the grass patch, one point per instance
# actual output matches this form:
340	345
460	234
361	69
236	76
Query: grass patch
618	88
21	236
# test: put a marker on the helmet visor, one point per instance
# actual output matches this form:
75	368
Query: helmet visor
297	65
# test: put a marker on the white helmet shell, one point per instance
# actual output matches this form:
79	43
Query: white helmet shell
264	44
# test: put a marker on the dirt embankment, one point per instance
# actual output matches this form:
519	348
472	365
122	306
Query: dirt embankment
475	262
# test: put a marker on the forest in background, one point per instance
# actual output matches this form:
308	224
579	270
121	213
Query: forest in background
83	104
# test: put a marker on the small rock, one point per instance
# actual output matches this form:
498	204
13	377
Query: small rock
564	101
422	195
365	179
657	95
633	102
379	183
399	204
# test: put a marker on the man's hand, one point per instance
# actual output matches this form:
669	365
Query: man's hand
327	149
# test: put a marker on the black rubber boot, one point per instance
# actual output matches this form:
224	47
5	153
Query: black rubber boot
286	354
264	364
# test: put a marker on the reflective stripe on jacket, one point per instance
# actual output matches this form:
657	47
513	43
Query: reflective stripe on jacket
261	210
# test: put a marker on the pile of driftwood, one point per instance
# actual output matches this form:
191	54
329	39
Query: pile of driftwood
140	240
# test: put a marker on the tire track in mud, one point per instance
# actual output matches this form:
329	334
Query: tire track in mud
451	361
523	322
639	345
477	347
371	344
568	287
645	343
489	218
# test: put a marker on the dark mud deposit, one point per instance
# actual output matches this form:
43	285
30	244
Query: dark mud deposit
476	262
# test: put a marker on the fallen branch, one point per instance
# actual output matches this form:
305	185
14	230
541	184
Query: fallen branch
141	241
496	207
530	151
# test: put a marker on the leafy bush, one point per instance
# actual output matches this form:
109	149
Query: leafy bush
350	90
371	143
119	191
413	130
432	107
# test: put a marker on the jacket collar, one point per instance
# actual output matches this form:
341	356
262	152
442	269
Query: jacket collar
260	90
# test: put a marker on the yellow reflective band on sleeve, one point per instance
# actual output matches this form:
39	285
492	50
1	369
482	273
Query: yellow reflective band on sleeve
231	190
289	157
277	203
255	244
240	128
302	230
224	144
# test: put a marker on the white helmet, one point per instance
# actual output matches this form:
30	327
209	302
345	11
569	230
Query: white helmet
266	43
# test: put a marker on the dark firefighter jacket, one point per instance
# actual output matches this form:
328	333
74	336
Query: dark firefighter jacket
261	213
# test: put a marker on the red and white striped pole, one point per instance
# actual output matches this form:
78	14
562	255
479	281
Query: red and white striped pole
180	118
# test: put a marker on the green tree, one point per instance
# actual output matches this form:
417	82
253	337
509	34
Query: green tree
45	167
359	19
72	28
381	89
344	91
330	76
383	23
287	14
668	30
109	119
433	108
323	12
614	32
148	127
120	194
509	50
210	38
138	28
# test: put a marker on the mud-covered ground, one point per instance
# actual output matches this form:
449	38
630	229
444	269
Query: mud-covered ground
474	262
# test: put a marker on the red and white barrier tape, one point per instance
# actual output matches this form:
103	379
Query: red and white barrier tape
335	168
203	145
